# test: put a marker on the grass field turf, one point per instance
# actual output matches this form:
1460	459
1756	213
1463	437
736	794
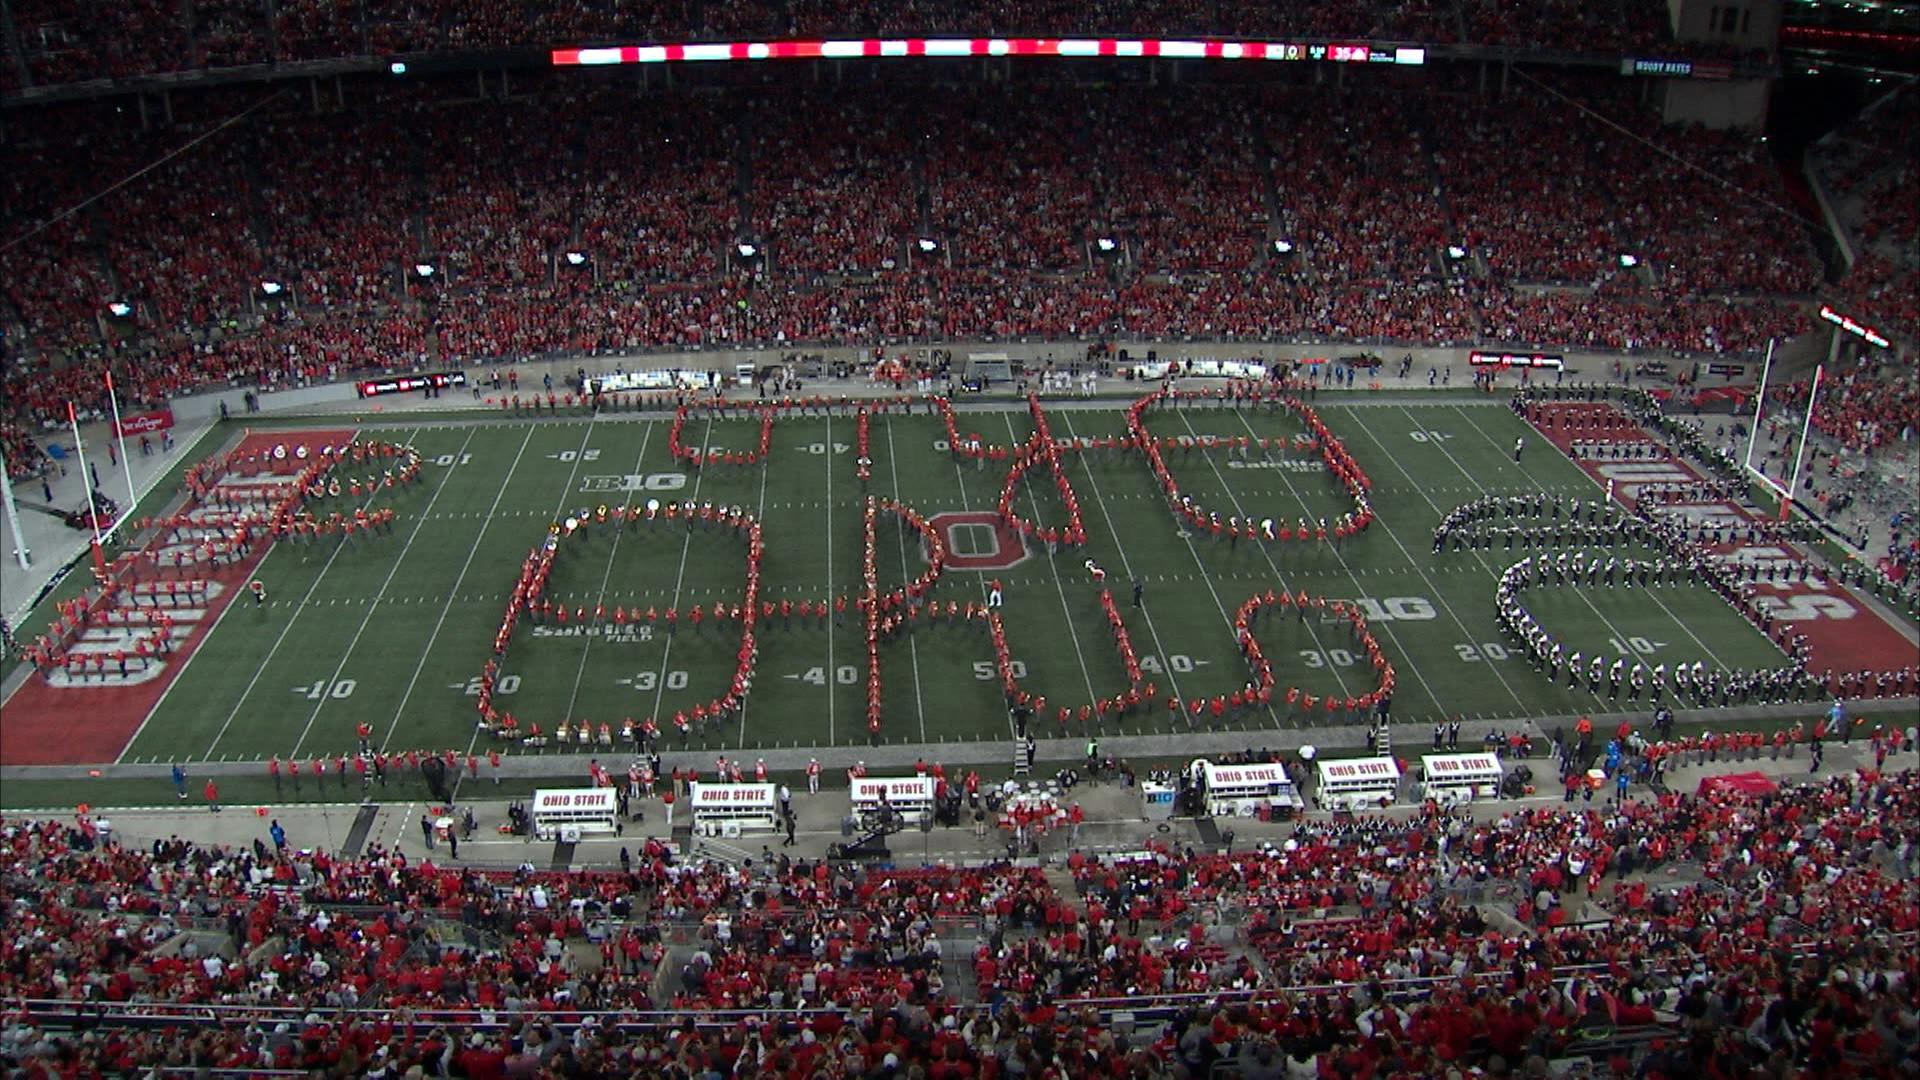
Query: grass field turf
395	631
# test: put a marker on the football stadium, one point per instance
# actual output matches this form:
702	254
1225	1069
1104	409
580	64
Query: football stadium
776	540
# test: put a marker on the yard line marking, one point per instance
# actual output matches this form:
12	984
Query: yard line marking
1058	585
407	695
1386	626
1127	565
761	516
832	682
666	654
1684	628
392	571
913	642
275	648
600	598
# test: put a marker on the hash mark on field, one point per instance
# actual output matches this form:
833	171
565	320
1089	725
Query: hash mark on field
1073	634
599	600
407	694
1126	565
913	644
1265	554
1436	507
1439	596
375	605
686	545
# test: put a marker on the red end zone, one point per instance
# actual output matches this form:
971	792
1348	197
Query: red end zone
69	722
1844	633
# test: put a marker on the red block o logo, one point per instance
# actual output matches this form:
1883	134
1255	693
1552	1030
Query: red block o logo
978	540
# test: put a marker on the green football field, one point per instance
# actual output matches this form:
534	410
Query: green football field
395	631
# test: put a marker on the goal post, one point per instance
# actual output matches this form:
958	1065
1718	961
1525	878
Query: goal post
1799	428
1800	448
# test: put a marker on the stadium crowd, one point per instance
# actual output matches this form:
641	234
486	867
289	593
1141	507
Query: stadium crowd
300	246
1859	409
1870	167
1369	946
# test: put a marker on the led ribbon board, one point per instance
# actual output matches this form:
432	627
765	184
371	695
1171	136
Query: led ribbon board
894	48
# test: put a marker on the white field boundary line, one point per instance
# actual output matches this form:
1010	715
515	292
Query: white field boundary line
434	636
1501	456
367	619
1127	565
273	651
913	640
680	580
566	492
1386	626
1194	550
1058	585
600	596
1661	604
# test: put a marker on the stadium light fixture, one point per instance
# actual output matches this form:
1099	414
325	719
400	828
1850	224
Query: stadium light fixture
1629	261
271	288
1283	247
1455	251
425	270
119	309
576	258
747	251
927	244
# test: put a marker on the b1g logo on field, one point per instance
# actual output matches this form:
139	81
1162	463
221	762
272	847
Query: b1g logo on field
978	540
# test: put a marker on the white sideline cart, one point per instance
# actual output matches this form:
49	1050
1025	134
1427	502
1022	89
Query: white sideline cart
1156	800
910	796
733	809
567	813
1365	783
1240	790
1451	779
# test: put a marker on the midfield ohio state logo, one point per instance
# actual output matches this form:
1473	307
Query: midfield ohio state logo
978	540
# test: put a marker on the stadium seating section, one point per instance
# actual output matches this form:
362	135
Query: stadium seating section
1871	169
1740	930
836	191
